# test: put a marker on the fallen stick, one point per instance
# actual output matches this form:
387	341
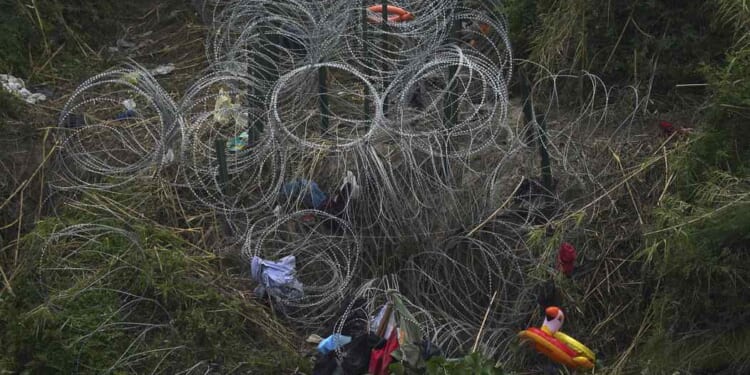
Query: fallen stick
502	206
484	320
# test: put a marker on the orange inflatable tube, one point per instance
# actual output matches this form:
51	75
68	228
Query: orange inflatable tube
556	350
484	29
395	14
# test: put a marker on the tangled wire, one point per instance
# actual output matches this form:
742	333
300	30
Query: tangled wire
417	110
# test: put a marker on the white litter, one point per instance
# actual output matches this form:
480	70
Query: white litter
168	157
129	104
314	339
352	181
162	70
16	87
225	110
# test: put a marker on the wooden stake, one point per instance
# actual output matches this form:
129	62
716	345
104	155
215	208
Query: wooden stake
220	146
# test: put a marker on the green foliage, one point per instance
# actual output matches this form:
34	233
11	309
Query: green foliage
735	14
475	364
10	106
32	31
620	40
699	252
15	32
521	15
137	303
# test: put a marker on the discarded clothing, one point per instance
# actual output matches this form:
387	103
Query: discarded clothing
333	342
357	358
328	364
566	258
376	321
408	353
312	197
666	127
669	129
354	361
129	112
380	359
349	190
277	279
125	115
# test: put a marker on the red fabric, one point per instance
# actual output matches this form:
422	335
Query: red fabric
553	341
381	358
566	258
666	127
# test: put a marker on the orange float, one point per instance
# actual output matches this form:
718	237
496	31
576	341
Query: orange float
395	14
556	345
484	29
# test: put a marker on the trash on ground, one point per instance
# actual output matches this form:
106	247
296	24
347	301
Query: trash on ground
129	112
557	346
358	352
168	157
312	196
566	258
238	143
668	128
313	339
162	70
225	110
379	326
17	87
333	342
380	359
355	360
276	279
353	186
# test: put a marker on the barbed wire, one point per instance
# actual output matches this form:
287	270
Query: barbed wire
419	111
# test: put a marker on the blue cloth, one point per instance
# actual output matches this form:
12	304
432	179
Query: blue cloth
312	197
276	278
332	343
126	115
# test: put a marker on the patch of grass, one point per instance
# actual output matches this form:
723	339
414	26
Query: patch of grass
10	107
90	298
15	32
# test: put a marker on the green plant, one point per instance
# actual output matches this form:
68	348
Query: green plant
92	298
15	31
475	364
